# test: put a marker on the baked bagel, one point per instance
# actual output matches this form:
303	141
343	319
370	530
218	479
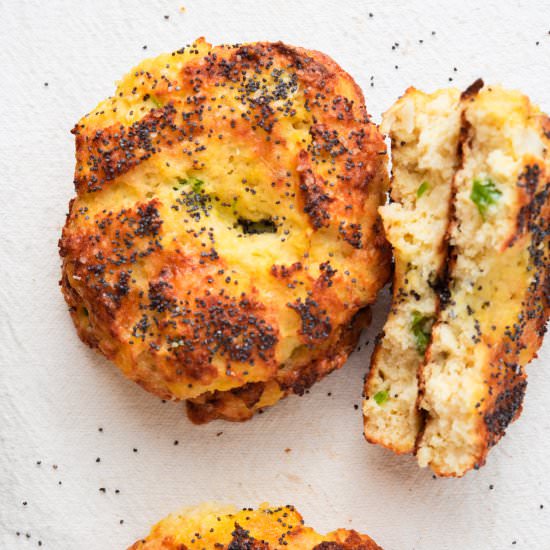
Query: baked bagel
211	527
224	241
424	131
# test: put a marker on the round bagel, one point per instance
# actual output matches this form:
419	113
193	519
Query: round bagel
211	526
225	238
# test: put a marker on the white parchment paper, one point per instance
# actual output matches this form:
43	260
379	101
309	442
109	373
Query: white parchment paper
56	395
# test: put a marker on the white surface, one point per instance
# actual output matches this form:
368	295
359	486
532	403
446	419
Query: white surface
56	393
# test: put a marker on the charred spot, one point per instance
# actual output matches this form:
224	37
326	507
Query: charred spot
243	540
222	325
140	329
159	300
352	233
315	204
284	272
122	286
250	393
473	89
315	199
507	405
441	287
329	546
232	327
327	273
529	217
316	325
109	152
325	141
529	179
149	220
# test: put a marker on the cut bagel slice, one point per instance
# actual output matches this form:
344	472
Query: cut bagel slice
424	131
492	323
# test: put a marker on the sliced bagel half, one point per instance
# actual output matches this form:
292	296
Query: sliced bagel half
492	321
424	131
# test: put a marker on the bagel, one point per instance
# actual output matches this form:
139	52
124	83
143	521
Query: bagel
224	241
472	278
424	131
494	313
211	526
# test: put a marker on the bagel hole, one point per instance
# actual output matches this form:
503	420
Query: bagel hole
257	227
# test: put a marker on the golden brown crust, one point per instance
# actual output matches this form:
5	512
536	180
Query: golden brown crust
248	529
225	231
505	370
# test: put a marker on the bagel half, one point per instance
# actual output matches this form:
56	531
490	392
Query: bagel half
494	315
213	527
224	242
424	131
472	278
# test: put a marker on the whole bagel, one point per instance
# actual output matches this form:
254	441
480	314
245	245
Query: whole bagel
225	238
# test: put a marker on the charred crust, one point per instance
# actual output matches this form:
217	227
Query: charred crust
242	540
352	233
107	153
472	90
284	272
327	273
250	393
506	408
314	195
316	323
300	380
